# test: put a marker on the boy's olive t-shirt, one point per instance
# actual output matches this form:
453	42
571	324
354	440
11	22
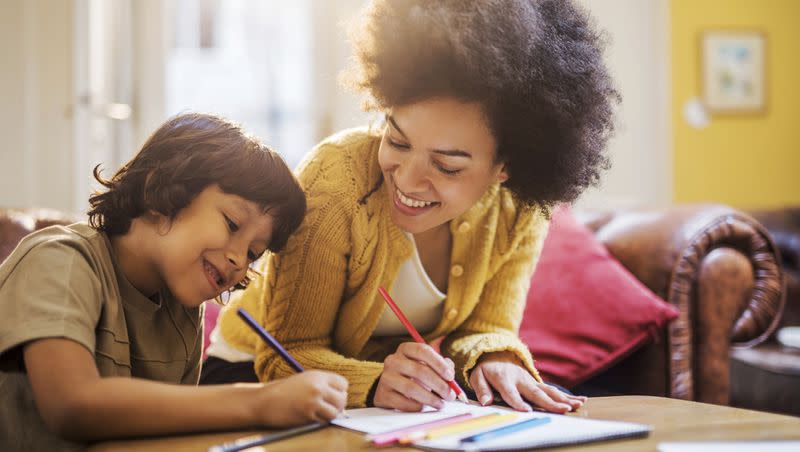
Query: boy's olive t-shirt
65	282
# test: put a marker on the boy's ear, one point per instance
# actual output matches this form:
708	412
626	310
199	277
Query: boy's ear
151	216
161	222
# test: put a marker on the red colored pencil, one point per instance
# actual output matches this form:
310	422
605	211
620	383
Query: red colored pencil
417	338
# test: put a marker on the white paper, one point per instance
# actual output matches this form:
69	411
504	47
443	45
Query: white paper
559	431
379	420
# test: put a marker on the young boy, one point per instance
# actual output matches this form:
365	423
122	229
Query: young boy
101	333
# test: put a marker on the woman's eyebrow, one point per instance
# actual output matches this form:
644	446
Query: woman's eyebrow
445	152
391	121
453	153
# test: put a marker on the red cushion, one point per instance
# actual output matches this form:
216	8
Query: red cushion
209	322
585	311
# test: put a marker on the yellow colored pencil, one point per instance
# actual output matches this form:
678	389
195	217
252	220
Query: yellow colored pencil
460	427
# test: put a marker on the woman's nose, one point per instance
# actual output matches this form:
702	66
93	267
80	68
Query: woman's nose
411	175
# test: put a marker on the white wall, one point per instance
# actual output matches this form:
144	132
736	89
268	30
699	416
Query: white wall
35	118
336	108
37	159
638	57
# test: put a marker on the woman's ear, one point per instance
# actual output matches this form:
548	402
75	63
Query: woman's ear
502	174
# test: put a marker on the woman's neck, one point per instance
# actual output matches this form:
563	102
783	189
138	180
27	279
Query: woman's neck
434	247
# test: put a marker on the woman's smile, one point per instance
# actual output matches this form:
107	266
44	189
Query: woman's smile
409	206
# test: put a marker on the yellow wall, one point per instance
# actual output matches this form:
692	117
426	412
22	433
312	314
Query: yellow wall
744	161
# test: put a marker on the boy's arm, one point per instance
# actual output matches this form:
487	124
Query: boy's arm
76	403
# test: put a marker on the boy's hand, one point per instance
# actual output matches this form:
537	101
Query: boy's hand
413	376
503	372
311	396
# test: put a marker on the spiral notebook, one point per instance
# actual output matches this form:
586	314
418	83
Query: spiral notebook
560	431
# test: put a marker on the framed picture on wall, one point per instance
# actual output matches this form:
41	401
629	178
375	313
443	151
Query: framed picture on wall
733	65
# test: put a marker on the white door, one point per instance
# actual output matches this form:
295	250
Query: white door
104	110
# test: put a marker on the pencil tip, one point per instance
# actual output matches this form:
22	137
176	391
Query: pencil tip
463	398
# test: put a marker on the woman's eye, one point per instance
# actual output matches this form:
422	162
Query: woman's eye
447	171
231	224
396	144
251	256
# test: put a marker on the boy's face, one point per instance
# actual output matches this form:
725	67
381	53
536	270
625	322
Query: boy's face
210	244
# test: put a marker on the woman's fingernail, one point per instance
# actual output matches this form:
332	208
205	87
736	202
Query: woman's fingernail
527	407
565	406
485	399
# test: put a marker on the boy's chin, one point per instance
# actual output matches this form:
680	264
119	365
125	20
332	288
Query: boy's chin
191	302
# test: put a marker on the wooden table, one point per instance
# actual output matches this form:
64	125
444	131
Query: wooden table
673	420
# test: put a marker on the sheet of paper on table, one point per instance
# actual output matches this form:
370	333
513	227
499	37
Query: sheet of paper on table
561	430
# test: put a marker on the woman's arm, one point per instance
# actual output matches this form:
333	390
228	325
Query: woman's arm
76	403
493	325
299	297
302	294
487	349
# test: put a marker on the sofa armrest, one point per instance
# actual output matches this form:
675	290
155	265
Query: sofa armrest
17	223
783	225
719	267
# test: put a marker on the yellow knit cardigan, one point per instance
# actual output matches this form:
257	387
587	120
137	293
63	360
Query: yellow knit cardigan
319	297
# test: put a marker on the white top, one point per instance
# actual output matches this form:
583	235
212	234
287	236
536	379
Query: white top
413	291
416	295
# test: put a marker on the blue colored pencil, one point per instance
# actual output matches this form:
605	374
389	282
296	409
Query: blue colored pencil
269	339
508	429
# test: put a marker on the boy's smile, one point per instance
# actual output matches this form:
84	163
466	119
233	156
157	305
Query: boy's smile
214	276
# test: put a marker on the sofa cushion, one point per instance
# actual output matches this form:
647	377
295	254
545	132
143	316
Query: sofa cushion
584	310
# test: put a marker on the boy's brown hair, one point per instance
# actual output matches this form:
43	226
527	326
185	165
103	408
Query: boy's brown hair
184	156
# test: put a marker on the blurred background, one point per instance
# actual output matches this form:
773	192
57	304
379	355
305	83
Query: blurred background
86	81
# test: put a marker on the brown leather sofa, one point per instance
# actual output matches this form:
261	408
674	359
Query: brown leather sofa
720	268
767	377
717	265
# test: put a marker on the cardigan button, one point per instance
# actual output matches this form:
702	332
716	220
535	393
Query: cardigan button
463	227
457	270
451	314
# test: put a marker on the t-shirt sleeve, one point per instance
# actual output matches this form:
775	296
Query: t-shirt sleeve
49	290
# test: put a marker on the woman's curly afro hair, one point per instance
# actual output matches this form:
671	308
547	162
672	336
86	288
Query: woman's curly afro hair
535	66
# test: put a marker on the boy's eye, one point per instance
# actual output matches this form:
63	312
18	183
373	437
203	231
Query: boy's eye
231	224
252	256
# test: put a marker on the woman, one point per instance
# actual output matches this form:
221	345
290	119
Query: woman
495	111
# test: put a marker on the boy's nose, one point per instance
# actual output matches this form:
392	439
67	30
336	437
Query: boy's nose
237	259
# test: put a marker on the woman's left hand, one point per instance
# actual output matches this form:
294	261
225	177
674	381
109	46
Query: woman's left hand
504	372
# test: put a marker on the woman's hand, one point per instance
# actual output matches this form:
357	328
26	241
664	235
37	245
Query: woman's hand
504	372
414	376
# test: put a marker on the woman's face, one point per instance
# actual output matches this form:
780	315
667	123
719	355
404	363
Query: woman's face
438	159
